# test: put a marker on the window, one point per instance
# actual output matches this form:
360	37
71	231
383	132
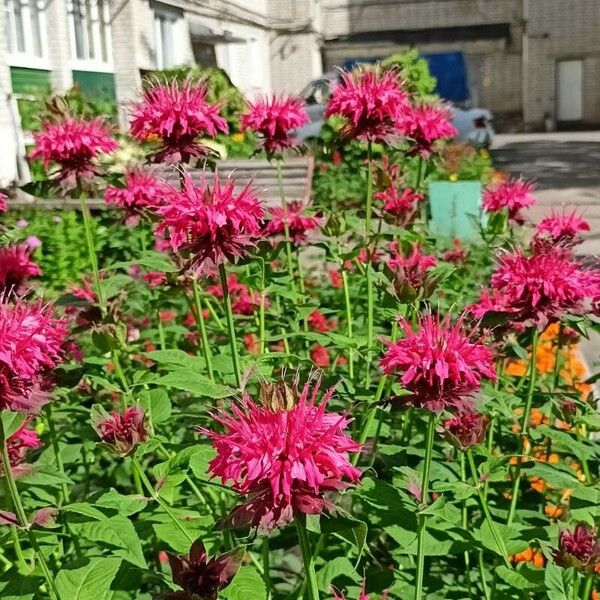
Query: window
169	33
25	29
90	32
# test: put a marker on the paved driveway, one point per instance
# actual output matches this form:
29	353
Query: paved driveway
566	169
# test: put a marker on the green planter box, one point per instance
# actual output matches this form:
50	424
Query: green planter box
453	207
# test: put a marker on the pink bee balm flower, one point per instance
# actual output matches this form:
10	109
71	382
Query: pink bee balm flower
299	223
341	596
466	429
563	228
275	119
317	321
214	223
19	444
31	345
513	195
16	267
243	300
425	124
284	460
121	432
372	102
413	268
538	289
457	254
177	114
199	576
400	204
155	278
579	548
142	191
3	200
73	144
440	365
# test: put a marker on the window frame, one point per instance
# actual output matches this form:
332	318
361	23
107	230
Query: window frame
162	13
27	58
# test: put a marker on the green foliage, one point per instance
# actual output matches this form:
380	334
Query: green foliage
414	70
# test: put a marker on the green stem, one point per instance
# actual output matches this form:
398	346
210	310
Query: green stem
161	331
202	328
486	511
64	496
286	229
22	517
524	427
424	498
482	574
370	417
89	237
587	590
230	325
370	298
575	585
155	496
465	522
308	558
349	322
266	567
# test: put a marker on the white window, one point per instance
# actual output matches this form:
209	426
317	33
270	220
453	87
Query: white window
170	33
89	24
26	32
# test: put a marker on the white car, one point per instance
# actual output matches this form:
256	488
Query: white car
474	125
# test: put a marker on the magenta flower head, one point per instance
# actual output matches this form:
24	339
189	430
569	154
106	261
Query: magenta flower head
19	444
275	120
440	365
341	596
561	228
243	300
214	222
199	576
16	267
372	102
143	191
424	125
177	114
466	429
412	276
579	548
31	345
298	222
73	144
513	195
120	432
401	205
3	205
537	289
284	458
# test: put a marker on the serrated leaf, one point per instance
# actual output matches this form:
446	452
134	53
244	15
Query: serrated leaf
515	579
196	384
247	584
156	404
332	569
125	505
200	459
91	581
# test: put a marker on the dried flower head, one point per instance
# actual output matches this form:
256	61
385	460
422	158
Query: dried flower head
424	125
199	576
120	432
299	223
73	144
579	548
372	102
466	429
177	114
214	223
439	364
283	459
275	120
513	195
16	267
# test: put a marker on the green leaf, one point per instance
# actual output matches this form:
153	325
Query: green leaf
348	527
11	421
516	579
156	404
196	384
125	505
554	582
175	357
88	582
332	569
156	261
246	585
200	459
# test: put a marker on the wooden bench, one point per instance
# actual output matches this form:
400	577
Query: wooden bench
297	174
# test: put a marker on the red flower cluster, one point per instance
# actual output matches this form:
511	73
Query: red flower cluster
283	458
214	223
243	300
538	289
317	321
19	444
142	191
31	344
177	114
400	204
412	269
3	200
275	119
440	365
425	124
513	195
466	429
299	223
372	102
73	144
121	432
457	254
563	228
579	548
16	267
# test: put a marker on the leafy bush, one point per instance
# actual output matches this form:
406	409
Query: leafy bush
415	72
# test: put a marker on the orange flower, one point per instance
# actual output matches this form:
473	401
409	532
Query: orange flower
530	555
553	512
516	367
